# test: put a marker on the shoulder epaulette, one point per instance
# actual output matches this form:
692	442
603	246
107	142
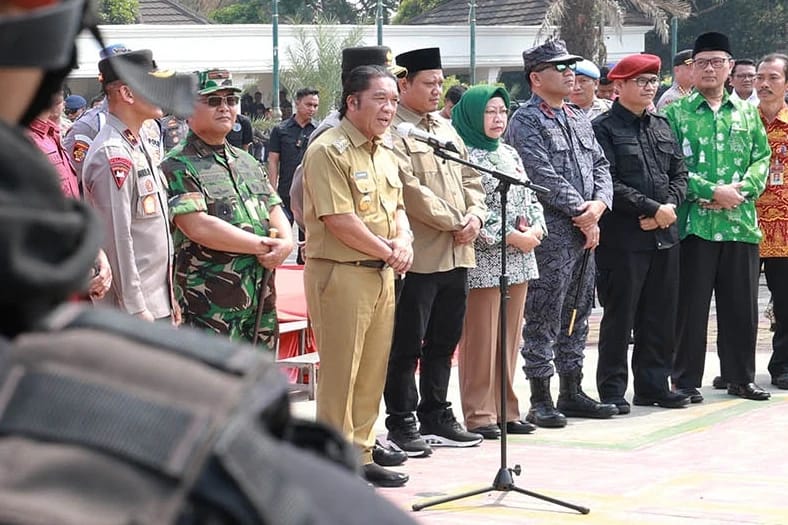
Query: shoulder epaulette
341	144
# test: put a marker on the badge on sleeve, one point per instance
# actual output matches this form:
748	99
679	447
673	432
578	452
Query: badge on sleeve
120	168
80	148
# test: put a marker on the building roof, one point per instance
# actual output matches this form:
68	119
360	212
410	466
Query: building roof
168	12
500	12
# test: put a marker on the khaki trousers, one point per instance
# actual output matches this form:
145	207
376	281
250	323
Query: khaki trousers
479	358
352	314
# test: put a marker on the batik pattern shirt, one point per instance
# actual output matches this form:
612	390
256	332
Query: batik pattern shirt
219	290
772	206
521	202
722	147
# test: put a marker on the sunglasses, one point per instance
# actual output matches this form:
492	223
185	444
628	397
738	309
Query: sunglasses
215	101
559	67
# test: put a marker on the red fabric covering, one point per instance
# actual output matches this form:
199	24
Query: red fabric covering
291	306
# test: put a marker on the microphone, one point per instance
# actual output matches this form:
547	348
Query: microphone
406	129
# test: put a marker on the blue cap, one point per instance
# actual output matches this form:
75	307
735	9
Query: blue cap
112	50
587	68
75	102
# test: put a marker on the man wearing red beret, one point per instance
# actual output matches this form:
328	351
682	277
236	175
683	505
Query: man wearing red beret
638	254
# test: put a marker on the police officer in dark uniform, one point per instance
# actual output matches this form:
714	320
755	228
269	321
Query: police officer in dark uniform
638	254
559	151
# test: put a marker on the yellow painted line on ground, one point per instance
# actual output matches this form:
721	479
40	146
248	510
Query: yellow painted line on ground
690	422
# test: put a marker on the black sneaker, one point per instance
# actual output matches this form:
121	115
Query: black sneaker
443	430
404	436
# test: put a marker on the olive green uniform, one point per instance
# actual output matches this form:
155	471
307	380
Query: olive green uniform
218	290
351	305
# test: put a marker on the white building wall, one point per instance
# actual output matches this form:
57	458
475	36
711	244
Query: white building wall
247	50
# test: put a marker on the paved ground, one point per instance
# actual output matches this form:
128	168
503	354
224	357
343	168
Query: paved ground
721	462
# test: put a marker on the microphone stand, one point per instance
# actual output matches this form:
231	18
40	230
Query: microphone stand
503	481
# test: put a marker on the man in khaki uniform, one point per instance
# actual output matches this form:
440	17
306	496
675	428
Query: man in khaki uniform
125	185
445	204
358	237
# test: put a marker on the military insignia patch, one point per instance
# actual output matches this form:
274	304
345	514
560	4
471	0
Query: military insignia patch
130	137
79	150
120	168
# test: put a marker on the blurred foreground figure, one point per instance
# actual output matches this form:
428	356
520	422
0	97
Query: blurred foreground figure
107	419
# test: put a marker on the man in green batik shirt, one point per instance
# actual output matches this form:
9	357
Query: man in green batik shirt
224	209
727	155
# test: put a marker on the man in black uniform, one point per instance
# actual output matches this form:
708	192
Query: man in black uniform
638	253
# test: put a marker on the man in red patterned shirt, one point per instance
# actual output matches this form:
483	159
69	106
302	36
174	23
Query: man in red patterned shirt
45	134
772	206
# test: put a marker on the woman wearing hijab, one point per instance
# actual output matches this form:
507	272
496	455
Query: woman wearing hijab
480	118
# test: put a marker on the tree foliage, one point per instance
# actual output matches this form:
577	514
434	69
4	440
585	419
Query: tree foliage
754	28
411	8
119	11
581	22
316	61
302	11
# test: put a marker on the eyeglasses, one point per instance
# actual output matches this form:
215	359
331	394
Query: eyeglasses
745	76
716	62
558	67
215	101
645	81
493	112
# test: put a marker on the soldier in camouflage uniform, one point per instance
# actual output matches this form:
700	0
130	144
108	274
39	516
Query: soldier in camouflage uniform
559	151
224	208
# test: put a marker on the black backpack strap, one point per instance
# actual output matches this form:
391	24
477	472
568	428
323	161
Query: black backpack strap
219	352
61	408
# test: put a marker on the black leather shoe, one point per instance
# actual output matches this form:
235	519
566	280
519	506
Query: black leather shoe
749	391
487	431
781	381
664	400
621	404
388	457
693	394
519	427
719	383
381	477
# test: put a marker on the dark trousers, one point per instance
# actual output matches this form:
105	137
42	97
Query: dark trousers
730	270
639	290
776	270
427	328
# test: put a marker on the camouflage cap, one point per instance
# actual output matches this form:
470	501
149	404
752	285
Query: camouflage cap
213	80
551	52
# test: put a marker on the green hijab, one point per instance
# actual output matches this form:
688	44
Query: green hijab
467	116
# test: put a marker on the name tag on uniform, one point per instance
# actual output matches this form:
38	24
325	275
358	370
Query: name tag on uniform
776	173
361	175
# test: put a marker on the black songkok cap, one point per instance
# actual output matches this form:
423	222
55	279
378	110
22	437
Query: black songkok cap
353	57
420	59
711	42
682	58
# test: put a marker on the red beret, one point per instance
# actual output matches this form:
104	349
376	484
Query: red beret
634	65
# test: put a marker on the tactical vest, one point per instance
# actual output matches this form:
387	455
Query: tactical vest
106	419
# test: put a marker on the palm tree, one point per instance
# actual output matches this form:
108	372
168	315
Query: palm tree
581	22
